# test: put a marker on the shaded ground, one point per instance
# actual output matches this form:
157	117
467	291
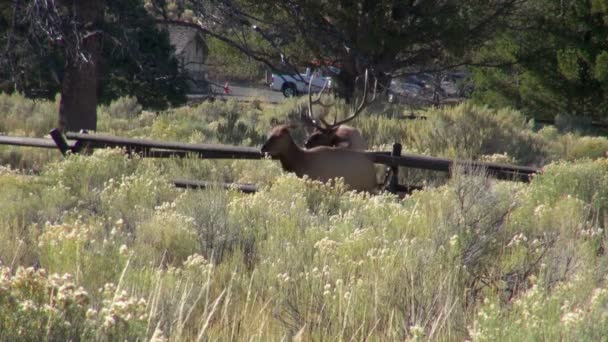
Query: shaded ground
242	93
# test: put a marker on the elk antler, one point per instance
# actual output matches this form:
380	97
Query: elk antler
310	119
364	103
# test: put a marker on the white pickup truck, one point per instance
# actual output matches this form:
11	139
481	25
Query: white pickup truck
292	85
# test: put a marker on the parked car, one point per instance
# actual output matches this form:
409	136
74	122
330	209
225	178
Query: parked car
430	87
293	85
418	80
457	84
402	91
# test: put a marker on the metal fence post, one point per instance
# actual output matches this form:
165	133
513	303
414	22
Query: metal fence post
393	184
60	141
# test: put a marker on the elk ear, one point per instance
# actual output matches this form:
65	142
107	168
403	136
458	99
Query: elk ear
285	129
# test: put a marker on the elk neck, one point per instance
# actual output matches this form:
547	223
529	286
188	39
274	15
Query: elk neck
291	157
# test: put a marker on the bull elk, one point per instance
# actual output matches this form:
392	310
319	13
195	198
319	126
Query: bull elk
337	134
321	163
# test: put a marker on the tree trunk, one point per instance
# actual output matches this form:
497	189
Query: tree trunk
79	86
348	88
346	78
346	85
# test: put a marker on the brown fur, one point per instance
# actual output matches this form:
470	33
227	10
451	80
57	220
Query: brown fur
343	136
321	163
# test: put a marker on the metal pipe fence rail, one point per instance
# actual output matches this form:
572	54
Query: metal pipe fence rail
162	149
500	171
28	142
191	184
208	151
175	149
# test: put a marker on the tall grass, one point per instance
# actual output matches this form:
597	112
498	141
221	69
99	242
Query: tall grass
469	259
102	247
464	131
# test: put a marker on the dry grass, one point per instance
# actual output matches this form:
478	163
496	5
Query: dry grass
471	258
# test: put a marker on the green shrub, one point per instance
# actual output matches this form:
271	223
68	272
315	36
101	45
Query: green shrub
166	238
123	116
468	132
585	180
79	179
36	306
307	259
587	147
92	254
132	198
25	117
20	204
123	107
469	258
208	210
31	160
571	311
211	122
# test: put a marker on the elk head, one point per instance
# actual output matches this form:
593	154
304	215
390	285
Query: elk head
279	140
336	133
